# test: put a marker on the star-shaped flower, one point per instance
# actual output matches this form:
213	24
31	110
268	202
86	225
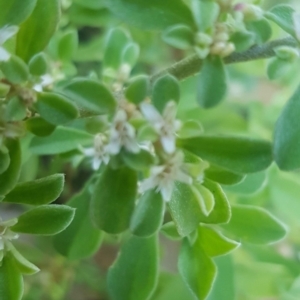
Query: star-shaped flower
165	124
6	33
5	233
122	134
162	177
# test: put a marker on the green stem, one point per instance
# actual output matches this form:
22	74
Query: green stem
192	64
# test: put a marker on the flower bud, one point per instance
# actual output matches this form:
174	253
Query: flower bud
202	39
230	47
287	53
217	48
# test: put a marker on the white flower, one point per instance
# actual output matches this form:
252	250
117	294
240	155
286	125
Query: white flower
165	125
98	152
46	80
122	134
163	176
6	33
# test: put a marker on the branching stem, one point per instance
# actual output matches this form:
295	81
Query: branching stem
192	64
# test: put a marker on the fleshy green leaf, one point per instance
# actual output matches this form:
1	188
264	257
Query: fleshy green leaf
130	54
10	177
81	239
238	154
15	70
41	191
116	42
278	68
138	89
16	110
36	31
45	220
134	274
282	15
261	29
61	140
55	108
91	95
255	225
286	136
148	214
165	89
155	15
24	266
221	212
170	231
242	40
223	176
38	126
212	82
67	45
11	280
14	12
197	270
138	161
4	160
205	13
113	199
38	64
214	243
205	199
179	36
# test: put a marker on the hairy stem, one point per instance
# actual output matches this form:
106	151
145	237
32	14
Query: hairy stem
192	64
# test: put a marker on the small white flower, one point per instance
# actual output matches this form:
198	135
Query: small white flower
165	125
122	134
46	80
98	152
5	34
162	177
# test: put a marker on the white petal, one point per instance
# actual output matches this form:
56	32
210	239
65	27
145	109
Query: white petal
114	146
166	192
38	87
132	146
183	177
7	32
4	55
150	113
96	163
168	143
130	130
147	184
170	111
121	116
88	151
105	159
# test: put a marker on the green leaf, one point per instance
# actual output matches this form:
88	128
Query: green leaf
261	29
113	199
150	16
205	199
16	110
242	40
10	177
15	70
116	42
11	280
38	126
197	270
91	95
134	274
286	136
253	183
205	13
24	266
14	12
55	108
190	128
214	243
223	176
138	161
61	140
278	68
148	214
212	82
255	225
221	212
67	45
40	191
184	208
4	160
81	239
282	15
130	54
237	154
38	64
36	31
45	220
179	36
137	89
165	89
170	231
